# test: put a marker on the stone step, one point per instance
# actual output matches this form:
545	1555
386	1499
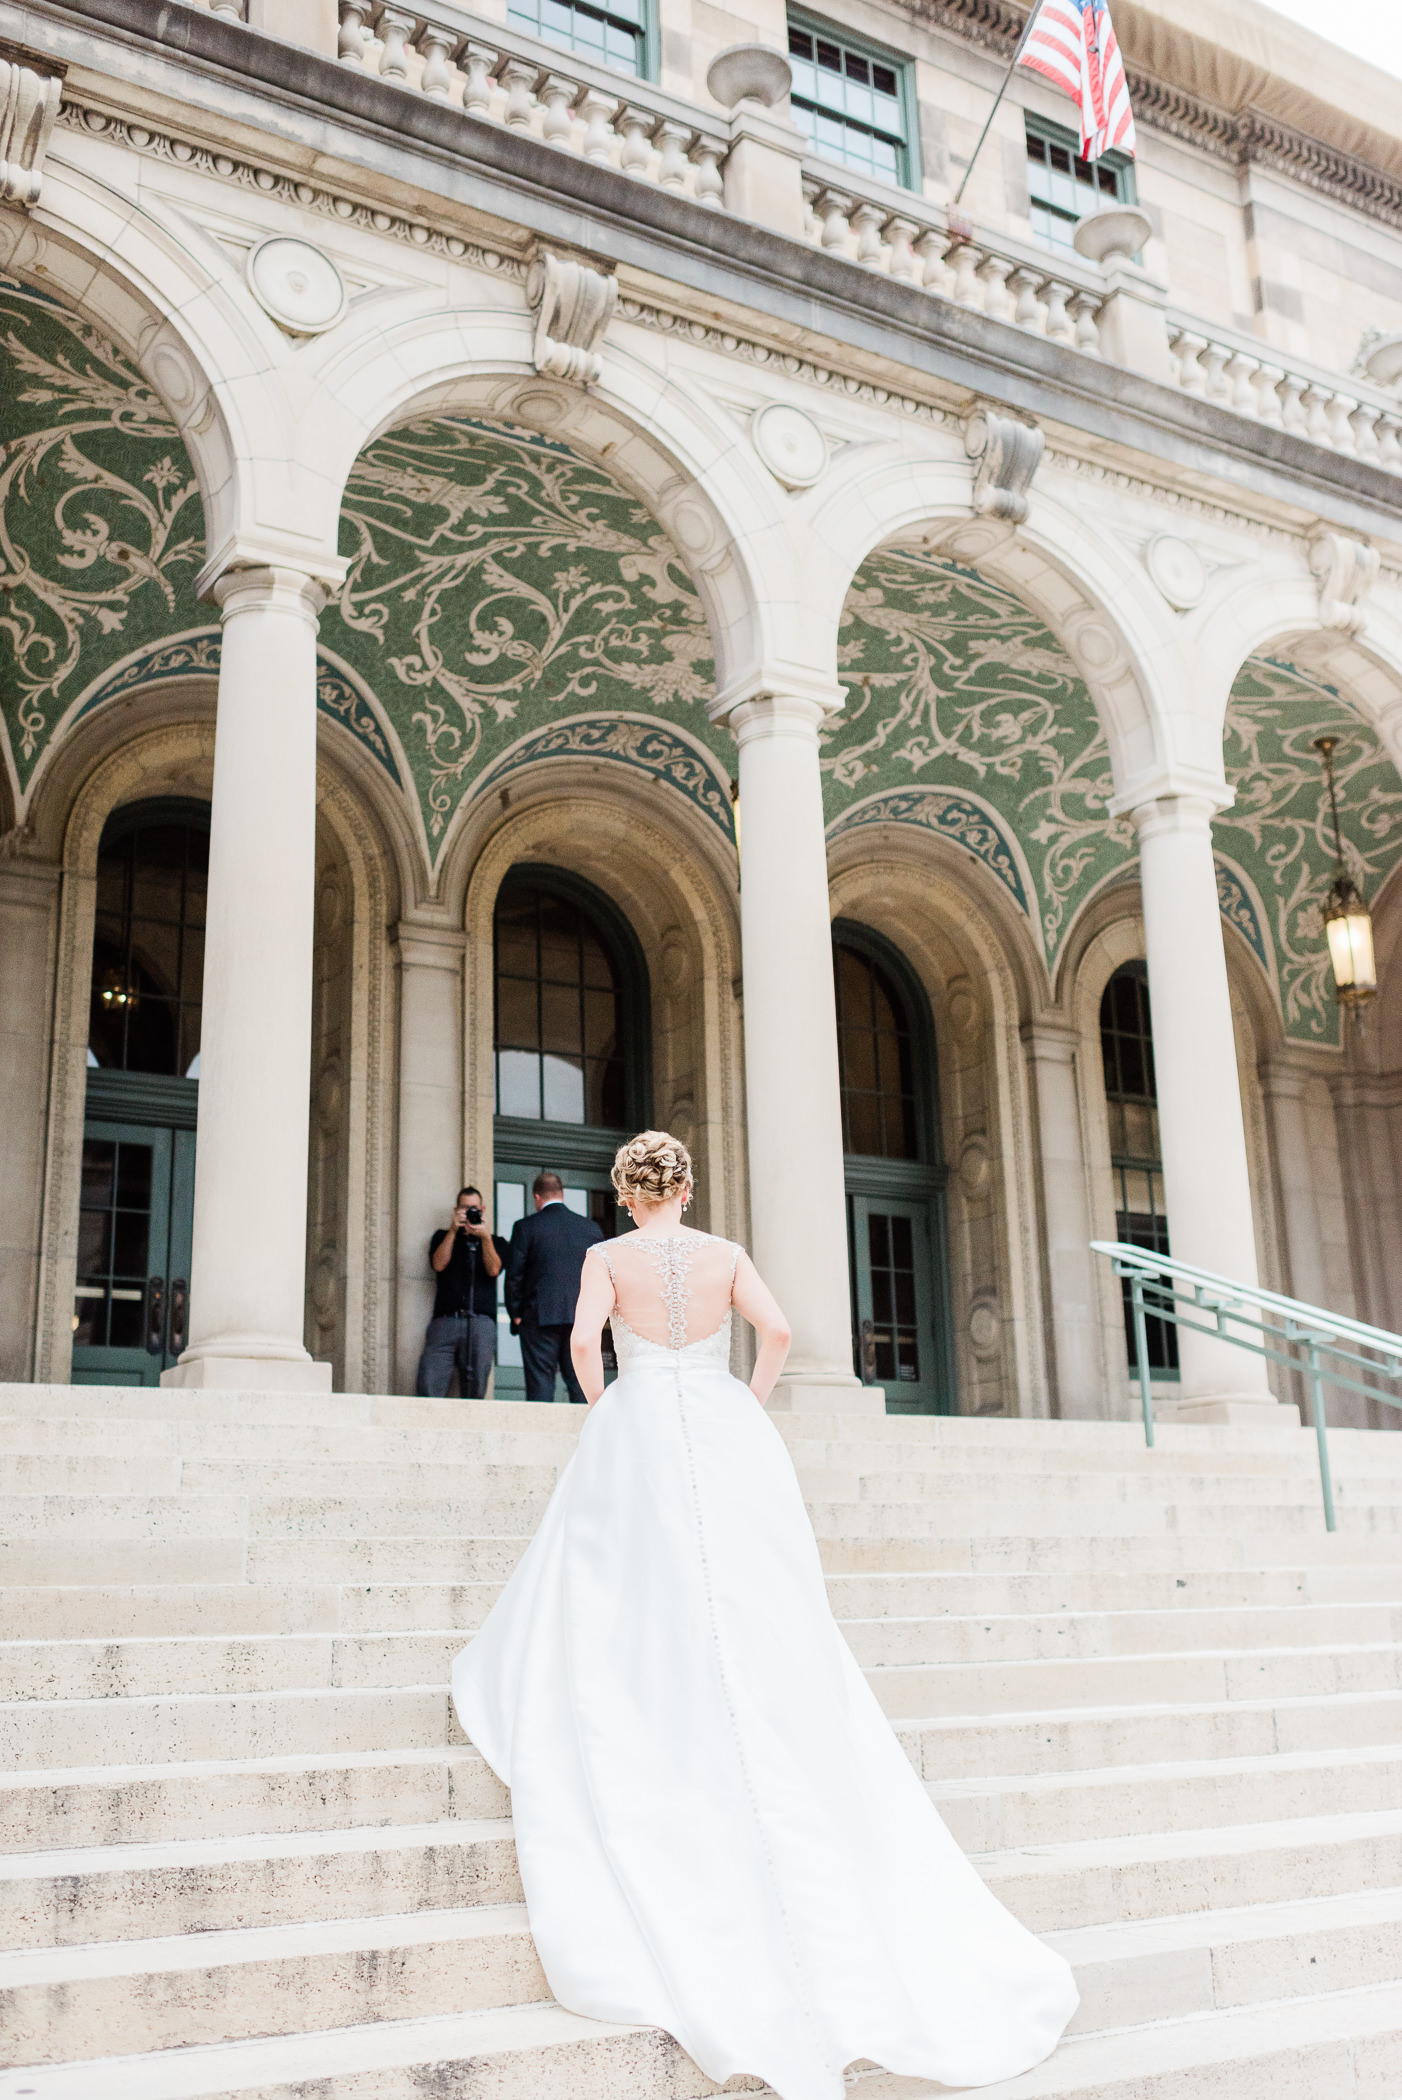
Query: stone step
1116	1880
126	1805
905	1690
1319	2048
1177	1967
1103	1521
1313	2047
72	1672
139	1995
208	1986
974	1746
220	1885
991	1815
66	1732
215	1987
537	2052
433	1474
72	1895
148	1667
116	1611
984	1637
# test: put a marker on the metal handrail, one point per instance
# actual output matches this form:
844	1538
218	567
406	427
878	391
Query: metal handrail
1300	1337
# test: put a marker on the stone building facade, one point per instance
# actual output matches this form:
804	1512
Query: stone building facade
526	537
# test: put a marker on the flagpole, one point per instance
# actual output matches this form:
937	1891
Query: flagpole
1021	42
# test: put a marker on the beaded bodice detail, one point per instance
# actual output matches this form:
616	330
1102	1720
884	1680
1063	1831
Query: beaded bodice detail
670	1261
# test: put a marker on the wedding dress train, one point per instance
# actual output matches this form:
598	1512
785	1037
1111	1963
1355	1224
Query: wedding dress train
718	1832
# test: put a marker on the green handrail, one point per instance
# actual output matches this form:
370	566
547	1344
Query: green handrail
1323	1347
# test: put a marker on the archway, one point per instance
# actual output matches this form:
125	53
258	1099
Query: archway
571	1040
897	1233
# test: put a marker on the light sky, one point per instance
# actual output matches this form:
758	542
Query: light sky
1371	28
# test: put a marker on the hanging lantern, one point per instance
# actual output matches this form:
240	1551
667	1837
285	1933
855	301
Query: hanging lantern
1347	921
118	994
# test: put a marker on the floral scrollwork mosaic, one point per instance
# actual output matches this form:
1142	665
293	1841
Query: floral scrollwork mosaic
631	740
957	817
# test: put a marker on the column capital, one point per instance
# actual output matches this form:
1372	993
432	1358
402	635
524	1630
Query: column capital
1173	783
240	590
254	554
427	946
774	706
1189	815
1052	1038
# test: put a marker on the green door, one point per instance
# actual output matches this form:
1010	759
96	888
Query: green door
131	1305
593	1197
898	1347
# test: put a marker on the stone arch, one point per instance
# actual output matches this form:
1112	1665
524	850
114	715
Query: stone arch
1097	603
175	758
971	959
165	293
662	440
669	881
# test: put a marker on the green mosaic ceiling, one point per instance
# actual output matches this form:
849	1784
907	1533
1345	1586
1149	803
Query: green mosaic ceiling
509	602
960	698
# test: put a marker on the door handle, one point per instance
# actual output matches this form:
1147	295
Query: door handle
868	1353
155	1315
179	1315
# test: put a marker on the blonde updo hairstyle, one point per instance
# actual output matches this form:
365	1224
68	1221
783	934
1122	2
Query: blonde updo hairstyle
651	1168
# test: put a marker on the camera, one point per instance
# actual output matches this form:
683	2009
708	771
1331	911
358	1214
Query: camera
473	1214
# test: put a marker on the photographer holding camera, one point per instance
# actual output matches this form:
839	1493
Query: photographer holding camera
467	1258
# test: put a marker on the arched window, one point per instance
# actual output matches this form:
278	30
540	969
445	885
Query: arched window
559	1025
875	1059
148	940
572	1067
895	1185
1136	1160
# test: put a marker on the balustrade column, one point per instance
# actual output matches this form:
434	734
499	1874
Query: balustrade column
247	1278
798	1208
1207	1187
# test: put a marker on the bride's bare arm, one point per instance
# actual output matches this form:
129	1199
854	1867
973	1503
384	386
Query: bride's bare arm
754	1300
594	1306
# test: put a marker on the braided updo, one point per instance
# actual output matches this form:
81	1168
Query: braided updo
651	1168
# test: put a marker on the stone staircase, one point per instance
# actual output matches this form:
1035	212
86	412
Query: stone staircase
249	1854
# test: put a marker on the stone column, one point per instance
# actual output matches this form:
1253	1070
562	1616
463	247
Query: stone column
1207	1188
1077	1353
28	940
430	1164
798	1207
248	1269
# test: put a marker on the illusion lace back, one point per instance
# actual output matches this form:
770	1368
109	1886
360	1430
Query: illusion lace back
717	1831
671	1296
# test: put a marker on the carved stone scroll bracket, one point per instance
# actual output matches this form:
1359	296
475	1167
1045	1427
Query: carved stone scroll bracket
1345	571
1006	455
28	107
573	306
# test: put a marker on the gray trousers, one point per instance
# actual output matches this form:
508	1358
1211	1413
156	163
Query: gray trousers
468	1341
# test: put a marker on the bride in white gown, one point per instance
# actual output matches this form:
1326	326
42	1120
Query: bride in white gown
718	1832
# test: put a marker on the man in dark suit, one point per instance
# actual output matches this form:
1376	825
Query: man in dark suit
543	1268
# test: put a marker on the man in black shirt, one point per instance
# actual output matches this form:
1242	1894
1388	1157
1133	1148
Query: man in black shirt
466	1257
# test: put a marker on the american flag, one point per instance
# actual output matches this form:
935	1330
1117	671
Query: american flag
1073	43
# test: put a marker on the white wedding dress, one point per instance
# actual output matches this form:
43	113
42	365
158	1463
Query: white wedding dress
718	1832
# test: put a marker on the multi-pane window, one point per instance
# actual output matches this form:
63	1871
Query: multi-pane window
615	35
557	1013
1136	1160
850	102
148	949
114	1232
875	1060
894	1338
1064	187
